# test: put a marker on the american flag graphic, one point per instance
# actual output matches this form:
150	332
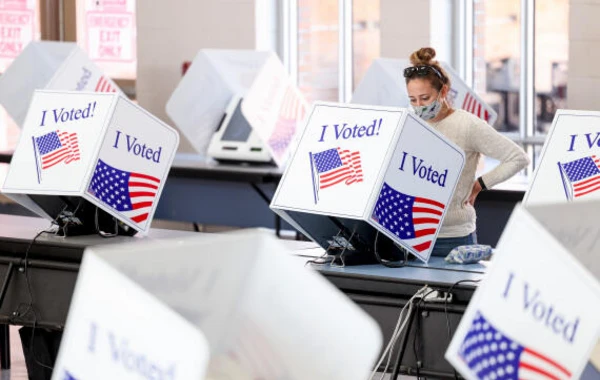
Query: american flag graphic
130	193
580	177
291	112
415	220
104	85
334	166
472	105
56	147
490	354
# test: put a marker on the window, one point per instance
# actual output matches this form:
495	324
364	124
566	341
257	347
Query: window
366	38
318	62
500	42
337	42
551	60
496	58
19	25
106	30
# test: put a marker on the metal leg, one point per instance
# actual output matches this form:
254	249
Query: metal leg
4	347
411	318
4	331
277	225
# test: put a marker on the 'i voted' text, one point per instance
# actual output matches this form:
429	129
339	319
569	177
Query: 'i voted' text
136	147
419	168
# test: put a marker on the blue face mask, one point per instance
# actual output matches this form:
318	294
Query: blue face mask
429	111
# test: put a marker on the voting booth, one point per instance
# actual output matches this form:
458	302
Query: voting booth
569	168
84	154
116	329
49	65
535	314
260	310
238	105
363	173
524	322
384	85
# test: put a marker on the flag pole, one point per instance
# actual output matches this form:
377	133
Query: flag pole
562	177
37	166
312	172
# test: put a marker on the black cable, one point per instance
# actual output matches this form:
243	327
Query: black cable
31	307
417	331
387	263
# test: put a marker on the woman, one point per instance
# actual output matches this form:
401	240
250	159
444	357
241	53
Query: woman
428	84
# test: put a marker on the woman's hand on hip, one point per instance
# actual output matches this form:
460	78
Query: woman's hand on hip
475	190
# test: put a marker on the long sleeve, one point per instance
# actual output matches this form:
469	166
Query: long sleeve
486	140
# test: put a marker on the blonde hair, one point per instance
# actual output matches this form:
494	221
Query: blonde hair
425	57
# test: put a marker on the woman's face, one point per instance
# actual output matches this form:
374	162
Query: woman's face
421	92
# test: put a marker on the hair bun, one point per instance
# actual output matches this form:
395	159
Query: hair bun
423	56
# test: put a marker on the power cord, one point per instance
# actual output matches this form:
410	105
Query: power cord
416	346
400	325
30	306
67	218
424	298
102	233
388	263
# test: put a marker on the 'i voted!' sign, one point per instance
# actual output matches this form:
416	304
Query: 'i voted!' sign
380	165
569	168
100	147
523	322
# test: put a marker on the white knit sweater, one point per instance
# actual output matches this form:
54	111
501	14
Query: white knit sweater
475	137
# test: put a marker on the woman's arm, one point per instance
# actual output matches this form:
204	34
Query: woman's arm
486	140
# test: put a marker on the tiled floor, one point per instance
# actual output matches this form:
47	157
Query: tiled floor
17	370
